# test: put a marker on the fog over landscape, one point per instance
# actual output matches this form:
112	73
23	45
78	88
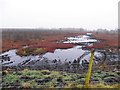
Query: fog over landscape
88	14
59	44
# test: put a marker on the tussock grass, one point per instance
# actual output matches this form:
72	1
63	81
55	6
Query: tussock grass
57	79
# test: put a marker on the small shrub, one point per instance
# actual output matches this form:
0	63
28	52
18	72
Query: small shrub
30	51
67	78
38	51
33	74
26	85
45	72
55	74
11	79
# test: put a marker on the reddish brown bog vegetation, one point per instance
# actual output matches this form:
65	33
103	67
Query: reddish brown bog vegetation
51	39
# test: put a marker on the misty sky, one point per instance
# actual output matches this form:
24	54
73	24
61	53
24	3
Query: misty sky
88	14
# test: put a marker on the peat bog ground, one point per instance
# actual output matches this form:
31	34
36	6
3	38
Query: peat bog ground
39	42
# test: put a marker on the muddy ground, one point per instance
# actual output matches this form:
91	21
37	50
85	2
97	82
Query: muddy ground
47	39
107	72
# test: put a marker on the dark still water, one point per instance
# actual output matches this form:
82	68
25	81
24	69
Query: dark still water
62	55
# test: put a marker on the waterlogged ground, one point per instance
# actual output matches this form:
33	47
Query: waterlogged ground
62	71
59	55
53	79
66	68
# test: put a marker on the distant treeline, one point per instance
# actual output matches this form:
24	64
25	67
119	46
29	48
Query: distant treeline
26	34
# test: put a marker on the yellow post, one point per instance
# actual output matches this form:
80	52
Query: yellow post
89	70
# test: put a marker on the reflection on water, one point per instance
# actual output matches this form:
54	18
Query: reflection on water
65	54
16	59
59	54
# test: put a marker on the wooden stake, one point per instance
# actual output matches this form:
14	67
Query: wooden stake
89	70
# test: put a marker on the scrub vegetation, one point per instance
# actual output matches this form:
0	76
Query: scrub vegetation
57	79
30	51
